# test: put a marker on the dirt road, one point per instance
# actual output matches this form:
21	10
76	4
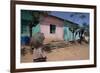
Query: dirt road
71	52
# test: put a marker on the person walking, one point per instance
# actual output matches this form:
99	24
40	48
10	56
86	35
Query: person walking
37	45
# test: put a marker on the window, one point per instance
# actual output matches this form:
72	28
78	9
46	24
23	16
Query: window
52	28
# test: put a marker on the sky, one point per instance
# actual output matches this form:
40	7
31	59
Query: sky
72	16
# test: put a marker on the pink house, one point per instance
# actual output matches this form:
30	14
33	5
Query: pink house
52	27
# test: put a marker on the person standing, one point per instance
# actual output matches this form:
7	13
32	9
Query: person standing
37	43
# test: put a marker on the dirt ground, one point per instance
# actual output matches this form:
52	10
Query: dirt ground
70	52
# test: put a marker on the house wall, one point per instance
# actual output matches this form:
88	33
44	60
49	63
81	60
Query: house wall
45	28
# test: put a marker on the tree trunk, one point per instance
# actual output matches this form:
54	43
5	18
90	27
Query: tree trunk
73	34
73	37
30	29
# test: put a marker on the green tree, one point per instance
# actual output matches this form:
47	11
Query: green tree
31	18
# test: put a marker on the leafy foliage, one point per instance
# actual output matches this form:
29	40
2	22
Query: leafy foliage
32	18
